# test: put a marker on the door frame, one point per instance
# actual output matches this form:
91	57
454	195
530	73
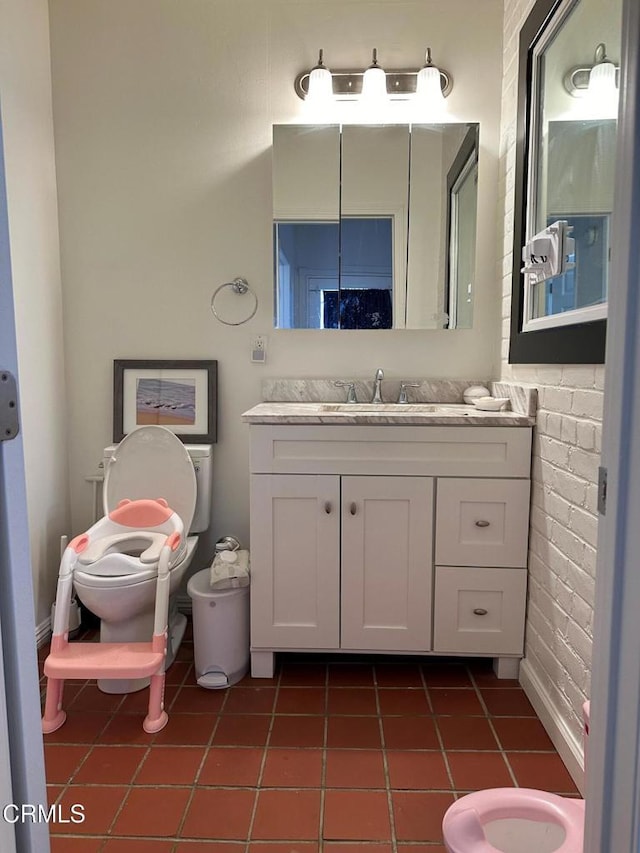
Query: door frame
19	688
613	779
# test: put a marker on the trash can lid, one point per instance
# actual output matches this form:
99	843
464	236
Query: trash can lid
199	586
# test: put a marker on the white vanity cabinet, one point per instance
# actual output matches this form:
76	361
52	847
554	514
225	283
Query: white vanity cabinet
342	562
408	539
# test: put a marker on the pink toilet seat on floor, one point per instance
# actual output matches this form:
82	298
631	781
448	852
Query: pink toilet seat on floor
464	821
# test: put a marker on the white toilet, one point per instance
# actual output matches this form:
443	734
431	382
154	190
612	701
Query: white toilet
119	588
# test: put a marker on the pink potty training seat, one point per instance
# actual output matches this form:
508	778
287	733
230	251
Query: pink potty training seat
464	822
141	526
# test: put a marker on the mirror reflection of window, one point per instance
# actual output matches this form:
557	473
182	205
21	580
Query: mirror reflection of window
335	276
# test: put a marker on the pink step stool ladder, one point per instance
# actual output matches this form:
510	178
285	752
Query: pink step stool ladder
107	660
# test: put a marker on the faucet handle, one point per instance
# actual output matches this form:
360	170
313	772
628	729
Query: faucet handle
351	393
402	396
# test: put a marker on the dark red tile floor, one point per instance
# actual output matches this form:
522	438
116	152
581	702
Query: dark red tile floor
328	757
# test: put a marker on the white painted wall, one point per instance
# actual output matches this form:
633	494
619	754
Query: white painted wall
163	113
563	534
25	99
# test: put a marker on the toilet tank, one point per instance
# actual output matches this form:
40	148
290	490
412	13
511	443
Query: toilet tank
202	458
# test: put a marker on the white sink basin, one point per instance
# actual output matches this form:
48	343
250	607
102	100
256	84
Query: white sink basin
395	408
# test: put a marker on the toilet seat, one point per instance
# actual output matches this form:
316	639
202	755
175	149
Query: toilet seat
148	483
464	821
150	462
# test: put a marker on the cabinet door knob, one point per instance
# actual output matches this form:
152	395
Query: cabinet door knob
480	611
353	508
327	508
482	523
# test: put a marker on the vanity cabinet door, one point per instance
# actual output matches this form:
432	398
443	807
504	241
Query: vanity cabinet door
387	527
295	561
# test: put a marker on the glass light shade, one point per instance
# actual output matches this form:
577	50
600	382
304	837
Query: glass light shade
374	84
320	86
602	90
428	86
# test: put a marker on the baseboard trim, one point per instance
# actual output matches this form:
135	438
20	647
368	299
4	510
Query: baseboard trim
43	632
569	748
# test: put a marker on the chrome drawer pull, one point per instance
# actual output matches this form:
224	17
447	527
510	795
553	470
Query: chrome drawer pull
327	508
482	523
353	509
480	611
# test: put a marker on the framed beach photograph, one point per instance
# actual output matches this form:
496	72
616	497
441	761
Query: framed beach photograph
179	395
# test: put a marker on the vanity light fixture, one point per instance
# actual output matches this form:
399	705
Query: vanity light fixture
429	86
351	85
599	79
319	84
374	82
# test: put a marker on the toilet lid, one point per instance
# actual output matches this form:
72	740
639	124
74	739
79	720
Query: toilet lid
151	462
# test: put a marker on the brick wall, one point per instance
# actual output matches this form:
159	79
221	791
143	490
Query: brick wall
562	549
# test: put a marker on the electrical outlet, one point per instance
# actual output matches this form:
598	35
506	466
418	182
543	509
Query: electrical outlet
259	349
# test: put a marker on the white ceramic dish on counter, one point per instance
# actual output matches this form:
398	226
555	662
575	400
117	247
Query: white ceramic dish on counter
490	404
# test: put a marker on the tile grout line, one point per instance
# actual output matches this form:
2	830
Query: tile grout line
258	786
493	730
323	766
385	766
325	754
207	749
445	757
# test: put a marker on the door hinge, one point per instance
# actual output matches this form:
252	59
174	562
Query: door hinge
9	425
602	490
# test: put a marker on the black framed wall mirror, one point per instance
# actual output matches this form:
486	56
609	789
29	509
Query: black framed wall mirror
374	226
564	178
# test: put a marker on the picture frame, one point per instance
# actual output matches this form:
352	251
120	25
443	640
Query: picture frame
181	395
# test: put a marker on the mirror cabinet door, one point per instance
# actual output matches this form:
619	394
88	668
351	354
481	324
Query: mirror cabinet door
306	213
442	226
373	218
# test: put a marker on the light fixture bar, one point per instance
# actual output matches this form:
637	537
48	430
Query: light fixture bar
347	85
576	80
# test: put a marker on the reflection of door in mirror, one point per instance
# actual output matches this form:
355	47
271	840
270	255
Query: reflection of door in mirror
357	244
462	195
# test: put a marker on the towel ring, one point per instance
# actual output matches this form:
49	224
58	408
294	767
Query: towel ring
239	286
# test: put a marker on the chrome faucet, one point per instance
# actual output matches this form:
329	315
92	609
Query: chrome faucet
377	397
351	390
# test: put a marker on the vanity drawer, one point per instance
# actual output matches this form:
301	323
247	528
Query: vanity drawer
482	522
432	451
480	610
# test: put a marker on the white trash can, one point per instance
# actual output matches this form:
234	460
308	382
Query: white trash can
220	632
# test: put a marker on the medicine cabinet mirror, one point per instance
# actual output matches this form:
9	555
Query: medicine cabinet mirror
374	226
565	165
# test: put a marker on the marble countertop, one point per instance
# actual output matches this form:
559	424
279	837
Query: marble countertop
385	414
